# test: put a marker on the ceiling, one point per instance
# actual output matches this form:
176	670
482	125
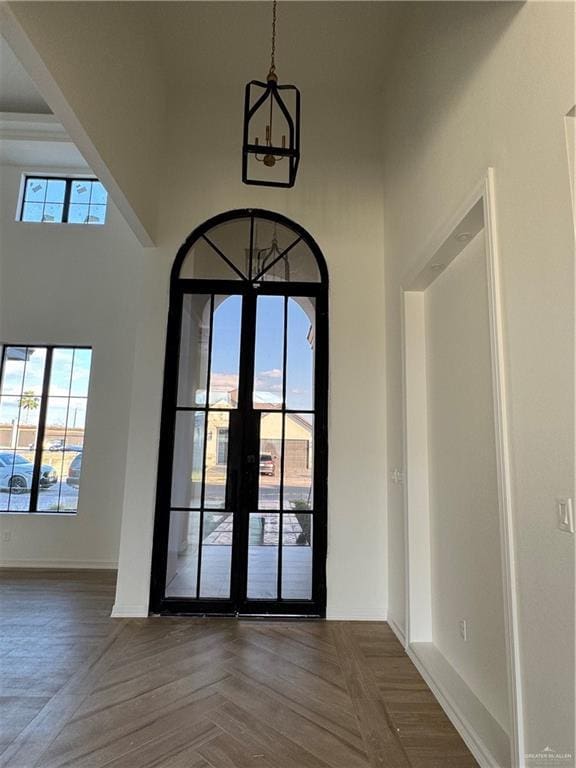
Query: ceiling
37	140
30	135
17	91
339	45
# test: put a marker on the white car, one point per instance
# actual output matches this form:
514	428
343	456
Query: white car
16	473
267	464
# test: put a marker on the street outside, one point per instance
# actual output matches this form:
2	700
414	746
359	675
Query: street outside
64	498
297	490
60	497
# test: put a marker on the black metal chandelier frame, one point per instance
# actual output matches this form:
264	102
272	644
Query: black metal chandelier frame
292	152
272	93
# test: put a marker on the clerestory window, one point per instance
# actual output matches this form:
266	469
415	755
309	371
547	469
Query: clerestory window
63	200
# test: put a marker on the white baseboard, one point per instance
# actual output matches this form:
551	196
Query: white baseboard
398	631
62	565
127	611
483	735
354	616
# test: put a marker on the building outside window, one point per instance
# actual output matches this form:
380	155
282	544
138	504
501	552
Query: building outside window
43	401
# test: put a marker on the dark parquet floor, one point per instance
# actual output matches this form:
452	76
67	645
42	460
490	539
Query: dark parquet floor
81	690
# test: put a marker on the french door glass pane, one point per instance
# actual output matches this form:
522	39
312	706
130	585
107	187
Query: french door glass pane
263	556
270	241
225	360
188	459
270	469
216	555
216	460
232	238
203	262
269	353
298	455
303	264
297	556
194	346
182	562
300	335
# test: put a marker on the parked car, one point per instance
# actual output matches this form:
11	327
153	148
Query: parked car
74	471
60	445
16	473
267	465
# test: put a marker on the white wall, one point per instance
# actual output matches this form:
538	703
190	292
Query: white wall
77	285
478	85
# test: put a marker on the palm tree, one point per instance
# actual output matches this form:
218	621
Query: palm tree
29	402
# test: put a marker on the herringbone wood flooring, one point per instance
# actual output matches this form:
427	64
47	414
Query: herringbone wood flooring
81	690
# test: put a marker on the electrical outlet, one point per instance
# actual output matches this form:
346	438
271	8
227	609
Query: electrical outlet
565	515
6	535
463	627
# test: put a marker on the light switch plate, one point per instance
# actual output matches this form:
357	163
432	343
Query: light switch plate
565	515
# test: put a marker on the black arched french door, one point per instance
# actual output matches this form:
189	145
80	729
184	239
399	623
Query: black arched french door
241	510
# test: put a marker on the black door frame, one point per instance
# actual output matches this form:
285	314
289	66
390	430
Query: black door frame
241	476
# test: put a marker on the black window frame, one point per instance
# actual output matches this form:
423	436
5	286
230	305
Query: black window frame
68	180
41	430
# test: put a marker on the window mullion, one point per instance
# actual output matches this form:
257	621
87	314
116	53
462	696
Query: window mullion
67	193
41	431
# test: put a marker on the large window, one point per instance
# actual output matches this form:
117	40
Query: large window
58	200
43	399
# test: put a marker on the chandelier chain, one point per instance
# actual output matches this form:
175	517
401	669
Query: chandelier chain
273	52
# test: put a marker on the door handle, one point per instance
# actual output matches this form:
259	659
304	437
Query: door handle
232	490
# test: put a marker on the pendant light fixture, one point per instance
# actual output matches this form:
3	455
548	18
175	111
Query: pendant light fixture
271	145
